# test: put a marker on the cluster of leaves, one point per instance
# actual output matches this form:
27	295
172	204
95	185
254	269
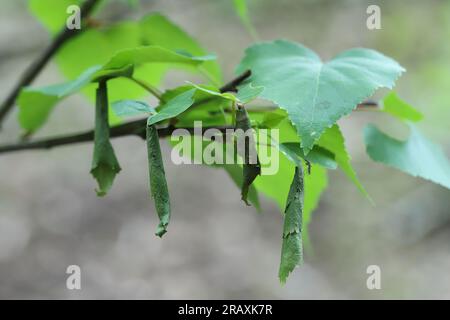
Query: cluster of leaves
309	95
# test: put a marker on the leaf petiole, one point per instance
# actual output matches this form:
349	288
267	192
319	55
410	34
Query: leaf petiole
150	88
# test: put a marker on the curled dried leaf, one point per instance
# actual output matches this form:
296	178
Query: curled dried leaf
247	149
158	184
104	163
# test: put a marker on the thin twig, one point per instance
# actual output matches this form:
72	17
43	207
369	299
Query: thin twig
232	85
36	67
368	105
136	128
153	90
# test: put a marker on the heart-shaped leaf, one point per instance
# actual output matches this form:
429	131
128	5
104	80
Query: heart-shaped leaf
314	93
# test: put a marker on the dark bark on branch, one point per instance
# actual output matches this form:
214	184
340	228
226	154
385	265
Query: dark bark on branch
36	67
232	85
136	128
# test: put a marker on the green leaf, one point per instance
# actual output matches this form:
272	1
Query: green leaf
52	13
150	54
131	108
208	108
248	92
395	106
292	248
111	74
158	183
416	156
104	163
158	30
333	140
77	55
235	172
214	92
242	11
173	107
317	155
245	94
316	94
251	166
68	88
272	119
35	104
276	186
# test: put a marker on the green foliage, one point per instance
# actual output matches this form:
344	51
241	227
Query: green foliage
77	55
173	107
396	107
315	184
248	92
272	119
317	155
104	163
333	140
148	54
158	30
158	183
212	91
326	91
131	108
251	167
53	15
153	29
292	248
55	18
36	104
242	11
237	175
208	107
276	186
310	96
417	155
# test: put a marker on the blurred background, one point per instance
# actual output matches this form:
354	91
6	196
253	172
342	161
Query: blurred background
217	247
